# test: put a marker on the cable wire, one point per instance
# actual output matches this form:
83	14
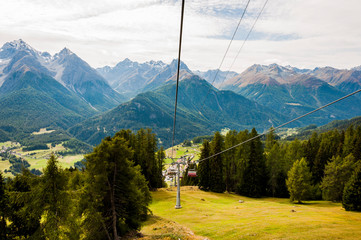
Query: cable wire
178	66
225	54
284	124
244	42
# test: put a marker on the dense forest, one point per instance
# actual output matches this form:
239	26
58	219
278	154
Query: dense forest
105	200
326	166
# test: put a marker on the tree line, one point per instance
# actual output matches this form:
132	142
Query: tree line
326	166
106	200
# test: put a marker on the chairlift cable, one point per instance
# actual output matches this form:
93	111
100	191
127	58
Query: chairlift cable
225	54
244	42
178	66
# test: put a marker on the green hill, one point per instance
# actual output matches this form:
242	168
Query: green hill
222	109
341	125
30	100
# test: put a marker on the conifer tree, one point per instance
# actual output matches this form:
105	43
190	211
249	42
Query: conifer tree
311	147
216	165
337	173
242	154
351	196
254	177
275	165
230	163
3	209
357	143
160	156
328	148
116	195
203	167
293	151
25	212
348	146
145	148
299	181
53	198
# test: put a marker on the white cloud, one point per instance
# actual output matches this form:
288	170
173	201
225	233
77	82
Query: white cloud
105	32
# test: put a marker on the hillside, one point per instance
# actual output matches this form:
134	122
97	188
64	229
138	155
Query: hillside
345	80
38	90
30	100
221	216
155	110
341	125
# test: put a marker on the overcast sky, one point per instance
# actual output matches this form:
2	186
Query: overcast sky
301	33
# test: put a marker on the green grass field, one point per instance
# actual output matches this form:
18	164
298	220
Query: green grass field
221	216
38	158
179	151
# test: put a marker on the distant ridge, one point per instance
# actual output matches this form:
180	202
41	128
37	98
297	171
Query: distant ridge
130	78
154	109
294	91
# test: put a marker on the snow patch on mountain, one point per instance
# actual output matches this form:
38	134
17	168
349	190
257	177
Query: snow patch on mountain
3	64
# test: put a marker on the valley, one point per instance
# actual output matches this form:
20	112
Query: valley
37	159
55	109
65	94
180	120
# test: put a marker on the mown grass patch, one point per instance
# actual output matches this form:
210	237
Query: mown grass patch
69	161
38	158
5	164
179	151
221	216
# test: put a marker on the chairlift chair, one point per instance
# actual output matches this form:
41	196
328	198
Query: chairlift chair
192	172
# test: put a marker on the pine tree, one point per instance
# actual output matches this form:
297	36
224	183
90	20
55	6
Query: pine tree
160	156
254	177
216	165
230	167
53	199
24	211
144	144
337	174
242	154
351	195
116	195
357	143
293	151
275	165
348	146
310	150
145	147
299	181
4	207
203	167
328	148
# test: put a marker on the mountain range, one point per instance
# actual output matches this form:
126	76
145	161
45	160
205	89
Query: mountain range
294	91
131	78
61	91
154	109
38	90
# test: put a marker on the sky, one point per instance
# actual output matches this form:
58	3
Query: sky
300	33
